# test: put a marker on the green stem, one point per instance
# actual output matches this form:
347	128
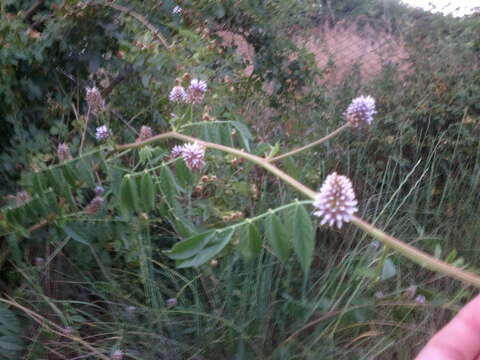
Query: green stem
253	158
418	256
408	251
381	262
308	146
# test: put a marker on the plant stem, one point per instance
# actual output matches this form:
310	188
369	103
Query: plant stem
253	158
315	143
84	131
417	256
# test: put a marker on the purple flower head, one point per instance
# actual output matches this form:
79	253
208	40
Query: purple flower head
145	133
117	355
361	111
95	102
420	299
335	201
63	152
410	292
177	151
193	154
196	91
171	302
99	190
177	10
178	94
22	197
94	205
102	132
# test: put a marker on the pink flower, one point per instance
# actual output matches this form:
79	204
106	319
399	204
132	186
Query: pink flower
145	133
193	154
177	151
178	94
196	91
335	201
63	152
102	132
361	111
95	102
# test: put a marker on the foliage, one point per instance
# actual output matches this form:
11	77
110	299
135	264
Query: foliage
222	241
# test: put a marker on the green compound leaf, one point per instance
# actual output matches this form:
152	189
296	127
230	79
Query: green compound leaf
214	247
277	236
11	343
191	246
126	202
303	236
147	192
250	241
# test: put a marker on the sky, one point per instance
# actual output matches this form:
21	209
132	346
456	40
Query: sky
446	6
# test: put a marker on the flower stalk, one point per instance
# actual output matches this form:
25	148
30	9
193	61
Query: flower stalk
315	143
410	252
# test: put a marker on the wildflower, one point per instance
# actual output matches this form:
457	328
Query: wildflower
177	10
21	197
94	205
171	302
335	201
196	91
117	355
361	110
68	331
177	151
131	309
63	152
99	190
102	132
145	133
39	261
178	94
95	102
420	299
410	292
193	154
379	295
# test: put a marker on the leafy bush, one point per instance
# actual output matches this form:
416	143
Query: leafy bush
180	258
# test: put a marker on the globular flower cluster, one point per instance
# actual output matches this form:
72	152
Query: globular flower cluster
63	152
177	151
118	355
21	197
196	91
361	111
335	202
192	153
178	94
145	133
177	10
95	205
194	94
95	101
102	132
